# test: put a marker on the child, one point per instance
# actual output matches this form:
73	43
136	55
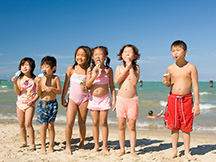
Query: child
78	96
151	115
24	87
98	78
47	87
127	76
180	111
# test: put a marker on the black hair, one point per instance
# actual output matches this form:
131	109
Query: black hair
105	51
179	43
88	56
31	63
150	112
136	54
50	61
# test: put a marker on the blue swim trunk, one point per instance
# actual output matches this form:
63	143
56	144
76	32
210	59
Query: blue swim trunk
47	111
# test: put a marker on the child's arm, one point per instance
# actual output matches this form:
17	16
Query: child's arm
57	89
38	85
119	77
91	76
34	100
194	77
112	88
66	85
135	75
15	83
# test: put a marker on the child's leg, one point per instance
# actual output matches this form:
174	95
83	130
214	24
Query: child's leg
121	133
43	138
95	128
51	129
132	134
82	114
175	137
105	129
21	118
186	138
71	115
28	124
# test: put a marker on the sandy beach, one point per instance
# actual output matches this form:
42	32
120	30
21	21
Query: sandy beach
152	145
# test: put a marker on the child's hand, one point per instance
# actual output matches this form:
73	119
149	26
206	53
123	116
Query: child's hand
128	64
48	89
114	106
84	88
13	79
30	103
37	80
64	102
196	110
96	70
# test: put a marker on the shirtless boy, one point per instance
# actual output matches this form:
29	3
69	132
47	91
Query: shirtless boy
47	87
181	110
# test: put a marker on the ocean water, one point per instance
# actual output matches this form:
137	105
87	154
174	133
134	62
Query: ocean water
152	96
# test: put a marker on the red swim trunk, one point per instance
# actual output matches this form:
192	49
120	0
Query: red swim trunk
179	113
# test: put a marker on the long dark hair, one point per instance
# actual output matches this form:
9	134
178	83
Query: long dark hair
136	54
105	51
88	56
32	66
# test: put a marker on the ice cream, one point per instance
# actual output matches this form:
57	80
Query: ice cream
17	74
166	75
128	58
98	63
41	74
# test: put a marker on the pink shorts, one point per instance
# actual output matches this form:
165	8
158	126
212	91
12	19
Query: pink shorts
179	113
127	107
99	103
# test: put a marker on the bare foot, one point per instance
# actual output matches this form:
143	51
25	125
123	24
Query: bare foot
105	151
174	154
133	154
81	146
43	151
68	151
120	153
50	150
23	145
95	150
189	157
31	148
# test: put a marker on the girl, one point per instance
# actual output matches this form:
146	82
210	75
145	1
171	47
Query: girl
24	87
78	95
127	77
98	78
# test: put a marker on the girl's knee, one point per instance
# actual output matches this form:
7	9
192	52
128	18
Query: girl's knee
104	123
122	126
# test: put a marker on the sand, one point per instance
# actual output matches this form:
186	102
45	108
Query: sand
152	145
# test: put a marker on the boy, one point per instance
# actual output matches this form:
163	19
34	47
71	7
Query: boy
181	77
47	87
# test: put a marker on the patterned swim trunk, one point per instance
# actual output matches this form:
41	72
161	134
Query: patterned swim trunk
47	111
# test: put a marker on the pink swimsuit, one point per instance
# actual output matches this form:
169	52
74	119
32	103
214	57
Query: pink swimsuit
76	93
28	92
102	102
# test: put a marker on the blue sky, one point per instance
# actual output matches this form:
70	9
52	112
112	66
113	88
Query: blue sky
39	28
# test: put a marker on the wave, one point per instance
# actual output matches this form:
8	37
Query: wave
207	106
3	86
3	91
8	116
204	93
163	103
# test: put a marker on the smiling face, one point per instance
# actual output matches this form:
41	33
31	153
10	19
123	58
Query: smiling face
128	54
178	53
99	56
81	57
25	68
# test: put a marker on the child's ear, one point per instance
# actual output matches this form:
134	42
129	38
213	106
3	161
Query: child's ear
54	68
186	52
